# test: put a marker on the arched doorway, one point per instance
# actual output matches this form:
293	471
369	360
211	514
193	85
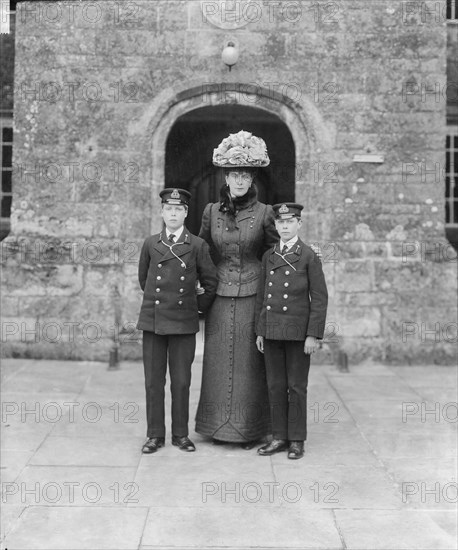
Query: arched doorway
189	150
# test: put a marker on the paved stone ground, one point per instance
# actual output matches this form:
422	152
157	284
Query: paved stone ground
379	473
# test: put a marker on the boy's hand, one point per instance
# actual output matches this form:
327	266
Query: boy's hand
317	250
199	289
310	345
260	343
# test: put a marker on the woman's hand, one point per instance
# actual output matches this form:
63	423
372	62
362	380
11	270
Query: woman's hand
260	343
310	345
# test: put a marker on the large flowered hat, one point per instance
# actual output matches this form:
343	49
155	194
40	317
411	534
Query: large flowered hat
241	150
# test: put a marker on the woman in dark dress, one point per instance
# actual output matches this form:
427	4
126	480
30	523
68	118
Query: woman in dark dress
233	404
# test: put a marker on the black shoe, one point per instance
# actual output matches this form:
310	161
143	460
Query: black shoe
153	444
296	450
275	446
183	443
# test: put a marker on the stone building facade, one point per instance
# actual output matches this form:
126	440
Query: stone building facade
114	101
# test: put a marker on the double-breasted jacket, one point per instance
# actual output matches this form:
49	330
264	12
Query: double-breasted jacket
237	254
168	278
292	296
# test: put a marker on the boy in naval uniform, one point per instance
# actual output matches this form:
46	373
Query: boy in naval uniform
291	311
171	263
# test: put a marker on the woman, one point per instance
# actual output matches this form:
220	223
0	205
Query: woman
233	404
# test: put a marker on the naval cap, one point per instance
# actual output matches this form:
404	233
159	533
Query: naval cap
175	196
287	210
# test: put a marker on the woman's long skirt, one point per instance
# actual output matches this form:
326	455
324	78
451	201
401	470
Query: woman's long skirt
234	403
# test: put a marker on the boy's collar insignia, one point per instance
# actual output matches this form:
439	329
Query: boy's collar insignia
283	209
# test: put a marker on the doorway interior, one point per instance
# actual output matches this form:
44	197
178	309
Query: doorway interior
189	151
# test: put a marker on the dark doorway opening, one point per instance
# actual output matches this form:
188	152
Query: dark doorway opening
189	151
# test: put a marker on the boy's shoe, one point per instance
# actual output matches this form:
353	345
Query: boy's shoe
183	443
275	446
296	450
153	444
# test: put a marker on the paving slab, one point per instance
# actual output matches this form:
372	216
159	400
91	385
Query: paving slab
390	388
425	483
241	527
9	518
13	462
345	493
73	486
413	443
392	530
226	482
337	487
23	436
379	412
71	451
435	376
78	528
92	418
54	376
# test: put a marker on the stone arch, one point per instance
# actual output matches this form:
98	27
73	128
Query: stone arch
310	134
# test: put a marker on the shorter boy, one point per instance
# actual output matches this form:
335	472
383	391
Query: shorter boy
171	264
291	311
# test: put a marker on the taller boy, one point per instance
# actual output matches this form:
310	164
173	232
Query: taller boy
170	264
291	307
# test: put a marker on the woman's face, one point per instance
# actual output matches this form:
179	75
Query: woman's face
239	182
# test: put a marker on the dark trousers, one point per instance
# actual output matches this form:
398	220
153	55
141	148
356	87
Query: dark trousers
287	370
181	349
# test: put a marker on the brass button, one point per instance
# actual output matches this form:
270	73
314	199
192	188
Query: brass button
181	290
268	308
286	272
286	284
158	277
159	265
157	302
180	303
270	284
269	295
285	308
271	272
158	289
229	284
182	278
285	296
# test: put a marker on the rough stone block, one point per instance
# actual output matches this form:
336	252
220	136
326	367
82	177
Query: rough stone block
354	276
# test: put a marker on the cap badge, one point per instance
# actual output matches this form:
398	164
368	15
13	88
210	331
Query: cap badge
175	194
283	209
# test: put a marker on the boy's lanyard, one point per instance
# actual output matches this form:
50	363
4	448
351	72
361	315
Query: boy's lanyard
283	256
170	247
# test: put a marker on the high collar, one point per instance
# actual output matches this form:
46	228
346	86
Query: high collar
289	243
177	233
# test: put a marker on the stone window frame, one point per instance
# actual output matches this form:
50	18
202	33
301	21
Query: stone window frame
452	11
451	177
6	194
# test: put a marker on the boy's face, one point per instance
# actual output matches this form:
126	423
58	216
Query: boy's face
174	215
287	228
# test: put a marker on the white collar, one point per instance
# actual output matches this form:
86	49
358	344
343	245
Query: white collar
177	233
290	243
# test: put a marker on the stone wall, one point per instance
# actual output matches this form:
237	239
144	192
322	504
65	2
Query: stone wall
96	99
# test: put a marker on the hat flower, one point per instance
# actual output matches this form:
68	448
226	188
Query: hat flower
241	150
